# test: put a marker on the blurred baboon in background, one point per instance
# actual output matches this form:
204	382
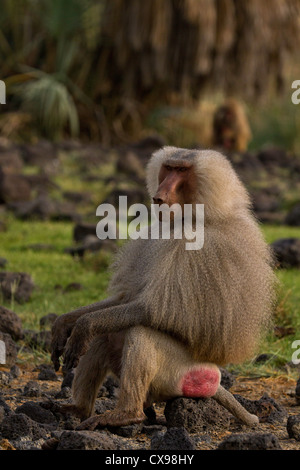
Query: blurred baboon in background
174	314
231	130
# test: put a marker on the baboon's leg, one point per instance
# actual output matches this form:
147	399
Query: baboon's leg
139	366
89	375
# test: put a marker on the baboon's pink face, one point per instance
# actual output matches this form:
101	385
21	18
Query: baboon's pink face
177	184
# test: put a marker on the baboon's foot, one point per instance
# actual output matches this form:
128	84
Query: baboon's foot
72	410
112	418
201	381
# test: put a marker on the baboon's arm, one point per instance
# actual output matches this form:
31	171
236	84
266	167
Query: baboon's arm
64	325
112	319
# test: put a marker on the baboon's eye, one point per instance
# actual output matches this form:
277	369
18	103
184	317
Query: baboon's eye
168	167
182	168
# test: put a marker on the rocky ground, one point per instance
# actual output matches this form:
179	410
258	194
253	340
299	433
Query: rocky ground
30	418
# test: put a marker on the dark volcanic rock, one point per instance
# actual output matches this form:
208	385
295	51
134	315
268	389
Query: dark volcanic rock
196	414
298	391
250	441
16	285
266	408
47	373
10	323
32	389
11	350
48	320
82	230
13	188
88	440
42	154
287	252
68	379
11	161
293	427
36	412
3	262
19	425
227	379
173	439
293	218
127	431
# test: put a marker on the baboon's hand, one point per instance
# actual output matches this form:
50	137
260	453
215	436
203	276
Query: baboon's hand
61	330
77	345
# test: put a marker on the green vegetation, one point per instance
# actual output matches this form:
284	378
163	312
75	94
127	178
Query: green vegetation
51	269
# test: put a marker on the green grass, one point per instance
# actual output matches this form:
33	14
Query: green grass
49	268
52	267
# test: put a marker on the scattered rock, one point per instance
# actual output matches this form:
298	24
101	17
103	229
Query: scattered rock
41	247
32	389
47	374
11	350
11	161
82	230
298	391
264	358
196	414
109	388
77	197
273	157
42	154
48	320
43	208
68	379
65	392
126	431
6	409
266	408
18	286
73	286
15	371
36	412
227	379
3	262
134	196
104	404
173	439
88	440
154	429
16	426
5	378
10	323
264	202
251	441
293	217
282	331
129	163
287	252
293	427
13	188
